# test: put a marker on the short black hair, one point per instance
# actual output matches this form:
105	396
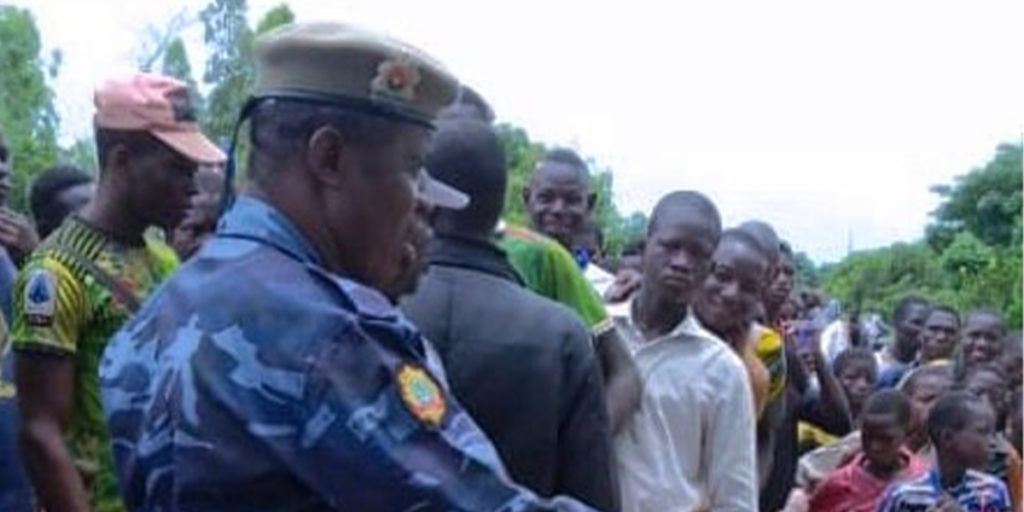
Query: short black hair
970	372
686	199
744	238
785	249
889	401
942	308
934	369
951	412
987	312
904	306
848	356
42	195
766	237
467	154
564	156
468	105
278	127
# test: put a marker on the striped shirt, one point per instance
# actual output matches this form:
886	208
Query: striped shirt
975	492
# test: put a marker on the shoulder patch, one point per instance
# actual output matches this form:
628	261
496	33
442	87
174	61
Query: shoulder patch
40	298
421	394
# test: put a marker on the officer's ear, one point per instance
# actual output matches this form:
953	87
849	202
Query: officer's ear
328	157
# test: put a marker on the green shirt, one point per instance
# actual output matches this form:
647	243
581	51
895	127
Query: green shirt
549	270
61	308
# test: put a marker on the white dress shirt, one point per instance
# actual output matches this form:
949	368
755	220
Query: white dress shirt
691	444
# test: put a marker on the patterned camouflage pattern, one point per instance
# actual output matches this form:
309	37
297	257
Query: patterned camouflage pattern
254	380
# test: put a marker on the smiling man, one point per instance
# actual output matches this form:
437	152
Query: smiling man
90	276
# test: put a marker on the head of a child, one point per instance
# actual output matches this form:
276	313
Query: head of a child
884	424
923	386
960	427
987	382
857	372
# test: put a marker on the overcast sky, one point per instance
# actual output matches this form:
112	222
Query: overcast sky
828	119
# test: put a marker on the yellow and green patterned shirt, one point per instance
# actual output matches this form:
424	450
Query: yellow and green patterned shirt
62	308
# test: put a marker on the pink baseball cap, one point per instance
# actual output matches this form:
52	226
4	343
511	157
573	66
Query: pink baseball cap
159	105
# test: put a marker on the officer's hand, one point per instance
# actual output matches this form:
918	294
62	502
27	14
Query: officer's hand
17	234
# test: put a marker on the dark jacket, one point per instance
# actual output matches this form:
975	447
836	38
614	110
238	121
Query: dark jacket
523	367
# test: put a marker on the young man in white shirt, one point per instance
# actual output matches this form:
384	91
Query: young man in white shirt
691	444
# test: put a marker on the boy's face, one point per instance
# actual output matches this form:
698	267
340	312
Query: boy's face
881	436
983	338
858	379
927	390
678	252
991	387
939	336
970	445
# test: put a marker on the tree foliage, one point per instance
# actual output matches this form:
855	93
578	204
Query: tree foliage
229	69
972	254
985	202
27	114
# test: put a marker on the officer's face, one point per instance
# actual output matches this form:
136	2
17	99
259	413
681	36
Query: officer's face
374	211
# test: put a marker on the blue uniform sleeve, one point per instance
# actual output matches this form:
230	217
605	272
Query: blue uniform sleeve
372	429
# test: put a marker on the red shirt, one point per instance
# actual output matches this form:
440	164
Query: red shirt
851	488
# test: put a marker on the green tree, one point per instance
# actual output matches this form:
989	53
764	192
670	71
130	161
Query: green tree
176	64
971	257
229	68
27	114
806	272
279	15
985	202
522	155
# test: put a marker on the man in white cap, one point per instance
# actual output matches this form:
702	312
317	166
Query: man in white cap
89	277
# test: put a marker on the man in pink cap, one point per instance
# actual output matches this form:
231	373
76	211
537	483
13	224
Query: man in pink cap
89	277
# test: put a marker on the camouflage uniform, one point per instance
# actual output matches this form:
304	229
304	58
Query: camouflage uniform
255	380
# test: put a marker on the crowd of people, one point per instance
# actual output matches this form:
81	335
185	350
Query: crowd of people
358	329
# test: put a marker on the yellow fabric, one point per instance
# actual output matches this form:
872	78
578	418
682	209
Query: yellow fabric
807	433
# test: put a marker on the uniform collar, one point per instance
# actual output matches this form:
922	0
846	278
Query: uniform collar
257	220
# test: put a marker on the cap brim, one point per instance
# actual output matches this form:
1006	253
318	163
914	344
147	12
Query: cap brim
193	145
441	195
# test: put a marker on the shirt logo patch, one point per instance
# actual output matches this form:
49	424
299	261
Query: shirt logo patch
422	395
40	298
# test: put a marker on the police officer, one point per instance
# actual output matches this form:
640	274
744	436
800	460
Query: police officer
270	373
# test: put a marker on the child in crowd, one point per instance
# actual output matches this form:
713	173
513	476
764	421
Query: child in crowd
988	382
960	427
1015	433
856	370
860	485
